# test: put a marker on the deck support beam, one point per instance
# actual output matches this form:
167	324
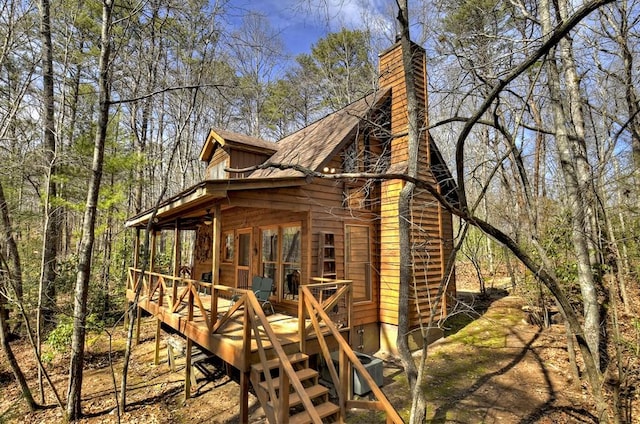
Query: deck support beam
156	356
244	396
187	371
138	318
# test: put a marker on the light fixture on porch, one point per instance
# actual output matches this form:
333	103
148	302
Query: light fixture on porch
208	218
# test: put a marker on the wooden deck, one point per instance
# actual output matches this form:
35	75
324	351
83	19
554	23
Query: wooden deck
272	353
222	333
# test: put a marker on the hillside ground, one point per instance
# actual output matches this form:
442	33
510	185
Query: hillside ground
490	368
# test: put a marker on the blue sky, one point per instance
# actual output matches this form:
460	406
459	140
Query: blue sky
303	22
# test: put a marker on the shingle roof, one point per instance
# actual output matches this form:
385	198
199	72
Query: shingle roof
314	145
231	138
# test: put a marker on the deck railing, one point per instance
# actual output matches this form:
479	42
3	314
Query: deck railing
177	293
335	299
257	327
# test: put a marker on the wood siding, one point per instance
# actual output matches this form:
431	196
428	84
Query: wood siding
241	160
318	207
427	234
325	197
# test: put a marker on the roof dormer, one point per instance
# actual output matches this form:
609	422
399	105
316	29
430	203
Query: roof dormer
226	149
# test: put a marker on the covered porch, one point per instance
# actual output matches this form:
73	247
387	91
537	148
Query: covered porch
206	245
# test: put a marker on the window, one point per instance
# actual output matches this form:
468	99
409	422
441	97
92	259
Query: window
280	258
269	252
358	261
217	171
290	264
227	246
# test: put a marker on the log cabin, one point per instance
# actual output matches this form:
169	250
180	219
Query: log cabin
276	211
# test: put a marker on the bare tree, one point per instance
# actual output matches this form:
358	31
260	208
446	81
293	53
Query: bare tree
74	392
7	280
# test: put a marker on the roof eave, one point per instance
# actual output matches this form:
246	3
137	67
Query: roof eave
208	191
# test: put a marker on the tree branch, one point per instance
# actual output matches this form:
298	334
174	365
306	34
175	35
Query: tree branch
164	90
553	39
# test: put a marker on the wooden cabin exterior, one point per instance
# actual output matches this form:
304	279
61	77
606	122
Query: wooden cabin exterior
327	246
283	222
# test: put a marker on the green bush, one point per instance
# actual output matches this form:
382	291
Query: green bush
60	337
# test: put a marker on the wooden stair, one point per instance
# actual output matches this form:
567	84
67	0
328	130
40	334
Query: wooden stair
317	393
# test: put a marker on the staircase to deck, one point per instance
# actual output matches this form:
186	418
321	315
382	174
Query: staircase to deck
283	403
288	388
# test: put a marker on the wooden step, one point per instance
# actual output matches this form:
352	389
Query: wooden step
275	363
324	410
313	392
303	374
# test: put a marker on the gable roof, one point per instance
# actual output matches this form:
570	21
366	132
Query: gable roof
313	146
242	142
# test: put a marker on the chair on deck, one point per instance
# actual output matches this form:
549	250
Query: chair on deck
207	277
261	287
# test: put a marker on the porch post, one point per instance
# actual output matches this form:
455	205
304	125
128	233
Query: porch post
136	249
177	251
215	262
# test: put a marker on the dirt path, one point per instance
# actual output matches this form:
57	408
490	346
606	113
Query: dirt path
496	369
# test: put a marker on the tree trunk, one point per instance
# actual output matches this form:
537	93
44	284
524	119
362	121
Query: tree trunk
570	165
6	347
418	409
74	392
13	258
46	291
51	212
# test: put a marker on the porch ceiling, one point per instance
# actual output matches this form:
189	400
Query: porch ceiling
188	205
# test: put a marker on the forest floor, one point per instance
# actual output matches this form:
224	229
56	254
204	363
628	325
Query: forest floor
490	368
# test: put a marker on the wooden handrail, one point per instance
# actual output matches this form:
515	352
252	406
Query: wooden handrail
316	313
182	290
255	312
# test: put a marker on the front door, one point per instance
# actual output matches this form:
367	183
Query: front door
243	262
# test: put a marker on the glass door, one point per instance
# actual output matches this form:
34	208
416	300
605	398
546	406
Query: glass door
243	262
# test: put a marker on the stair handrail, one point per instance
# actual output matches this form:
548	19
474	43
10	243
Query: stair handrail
255	311
315	311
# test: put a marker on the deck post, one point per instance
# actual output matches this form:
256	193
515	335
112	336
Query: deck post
215	262
283	393
156	357
244	396
138	316
301	321
346	375
187	371
246	364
